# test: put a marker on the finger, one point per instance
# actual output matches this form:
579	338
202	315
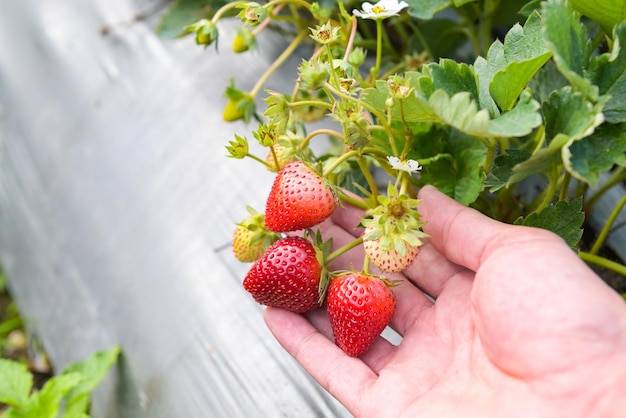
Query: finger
348	217
343	376
430	271
460	234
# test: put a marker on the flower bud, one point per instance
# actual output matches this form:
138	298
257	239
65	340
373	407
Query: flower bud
206	31
357	57
244	40
252	14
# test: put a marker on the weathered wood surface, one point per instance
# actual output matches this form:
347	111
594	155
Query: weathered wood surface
116	203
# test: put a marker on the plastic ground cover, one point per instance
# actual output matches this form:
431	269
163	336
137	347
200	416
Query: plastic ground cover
117	204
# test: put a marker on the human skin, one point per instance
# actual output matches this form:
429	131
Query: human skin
519	327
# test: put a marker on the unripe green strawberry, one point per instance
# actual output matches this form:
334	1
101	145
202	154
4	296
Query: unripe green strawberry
244	250
233	111
244	40
387	255
251	238
271	162
300	198
287	276
359	308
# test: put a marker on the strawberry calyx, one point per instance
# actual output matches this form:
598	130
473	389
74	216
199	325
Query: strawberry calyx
322	252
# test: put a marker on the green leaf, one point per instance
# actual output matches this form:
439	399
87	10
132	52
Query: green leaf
459	175
459	3
588	158
606	12
502	169
425	9
519	121
542	161
452	77
15	383
509	83
485	70
47	402
570	113
461	112
546	81
511	65
91	371
565	219
414	108
182	13
569	43
608	72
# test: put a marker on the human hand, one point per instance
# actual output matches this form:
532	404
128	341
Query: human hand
521	327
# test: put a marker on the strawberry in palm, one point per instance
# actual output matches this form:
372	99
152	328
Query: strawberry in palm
287	276
300	198
393	233
359	308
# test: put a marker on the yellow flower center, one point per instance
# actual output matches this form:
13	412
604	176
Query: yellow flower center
378	10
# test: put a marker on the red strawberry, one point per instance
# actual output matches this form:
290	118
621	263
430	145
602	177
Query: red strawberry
299	199
359	307
287	276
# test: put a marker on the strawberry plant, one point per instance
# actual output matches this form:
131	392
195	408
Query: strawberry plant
65	395
515	108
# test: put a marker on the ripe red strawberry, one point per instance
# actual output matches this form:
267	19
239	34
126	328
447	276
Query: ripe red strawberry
389	255
287	276
359	307
299	199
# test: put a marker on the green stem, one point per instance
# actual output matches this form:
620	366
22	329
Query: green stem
302	3
372	109
342	10
343	249
254	157
491	152
351	200
607	226
278	62
548	194
603	262
420	37
311	103
275	157
366	265
332	67
618	176
225	8
368	176
338	162
379	49
565	186
315	133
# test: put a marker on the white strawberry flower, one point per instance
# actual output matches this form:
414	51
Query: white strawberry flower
381	10
410	166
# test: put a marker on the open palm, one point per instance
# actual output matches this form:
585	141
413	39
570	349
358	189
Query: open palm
515	326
